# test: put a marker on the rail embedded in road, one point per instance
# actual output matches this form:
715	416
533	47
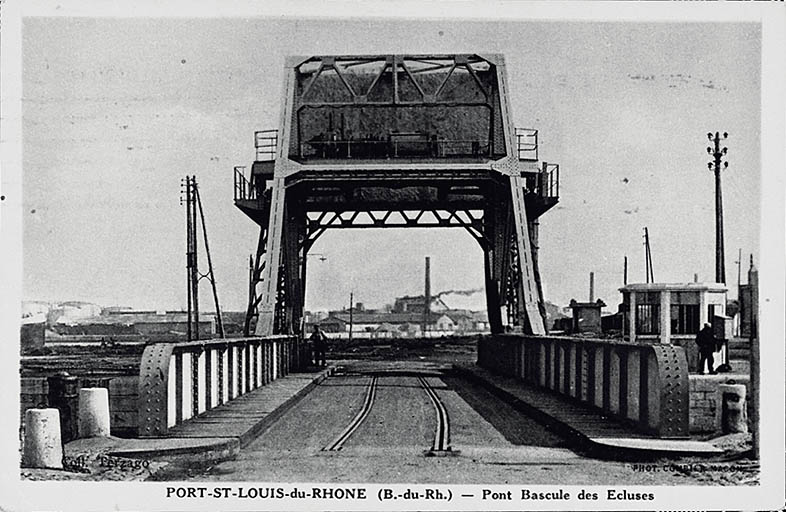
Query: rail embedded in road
441	443
338	442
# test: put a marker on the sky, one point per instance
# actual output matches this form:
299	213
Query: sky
117	111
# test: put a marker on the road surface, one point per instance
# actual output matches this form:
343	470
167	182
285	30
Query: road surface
405	422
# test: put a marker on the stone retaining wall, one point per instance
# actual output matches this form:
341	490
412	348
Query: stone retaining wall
123	399
705	400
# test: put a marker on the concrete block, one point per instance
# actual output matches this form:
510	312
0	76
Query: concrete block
43	447
732	415
706	401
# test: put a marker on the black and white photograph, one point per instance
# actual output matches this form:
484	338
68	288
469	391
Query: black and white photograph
393	256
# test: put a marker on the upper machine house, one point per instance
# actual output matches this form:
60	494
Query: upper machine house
396	107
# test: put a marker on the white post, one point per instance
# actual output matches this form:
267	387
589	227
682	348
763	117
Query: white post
43	447
93	418
665	317
704	316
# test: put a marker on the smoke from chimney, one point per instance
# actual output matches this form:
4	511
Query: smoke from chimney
465	293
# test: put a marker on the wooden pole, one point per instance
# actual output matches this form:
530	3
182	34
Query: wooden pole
427	297
625	272
351	298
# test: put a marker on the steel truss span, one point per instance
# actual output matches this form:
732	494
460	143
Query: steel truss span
396	141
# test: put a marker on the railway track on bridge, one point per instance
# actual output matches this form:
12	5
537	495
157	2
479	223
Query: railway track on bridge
360	417
442	431
441	442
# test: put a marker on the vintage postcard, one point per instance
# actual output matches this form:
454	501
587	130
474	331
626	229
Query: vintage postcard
393	256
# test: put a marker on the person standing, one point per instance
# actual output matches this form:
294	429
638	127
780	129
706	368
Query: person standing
706	342
319	342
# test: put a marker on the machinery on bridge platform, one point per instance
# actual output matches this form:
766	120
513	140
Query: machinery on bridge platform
374	141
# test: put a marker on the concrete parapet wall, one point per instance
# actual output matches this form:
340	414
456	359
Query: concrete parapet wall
180	381
705	400
644	385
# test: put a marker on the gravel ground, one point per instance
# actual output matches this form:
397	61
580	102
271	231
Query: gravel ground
734	467
95	465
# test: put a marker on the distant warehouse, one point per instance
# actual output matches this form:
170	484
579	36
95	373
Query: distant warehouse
145	323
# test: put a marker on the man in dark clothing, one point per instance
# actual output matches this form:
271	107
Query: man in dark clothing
706	342
319	342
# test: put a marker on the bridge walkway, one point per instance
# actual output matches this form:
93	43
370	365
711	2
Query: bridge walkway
602	435
217	434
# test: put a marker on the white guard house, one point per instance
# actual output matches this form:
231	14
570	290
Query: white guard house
672	313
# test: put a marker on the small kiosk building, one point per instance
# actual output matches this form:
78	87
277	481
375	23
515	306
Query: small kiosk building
672	313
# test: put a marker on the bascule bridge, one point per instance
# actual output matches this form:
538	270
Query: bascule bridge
375	141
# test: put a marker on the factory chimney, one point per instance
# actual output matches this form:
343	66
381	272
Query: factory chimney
427	298
592	286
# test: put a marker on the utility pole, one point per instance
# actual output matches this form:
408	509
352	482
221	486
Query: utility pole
351	298
192	330
739	271
186	189
717	153
625	272
195	215
648	257
739	281
427	298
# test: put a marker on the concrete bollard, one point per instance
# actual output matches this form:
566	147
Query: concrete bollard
43	447
93	412
732	403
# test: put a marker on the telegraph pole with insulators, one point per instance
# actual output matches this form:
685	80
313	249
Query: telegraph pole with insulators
717	153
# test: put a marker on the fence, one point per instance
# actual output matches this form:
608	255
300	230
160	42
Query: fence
179	381
644	385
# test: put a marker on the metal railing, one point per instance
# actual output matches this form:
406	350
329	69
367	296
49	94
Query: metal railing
180	381
544	183
527	143
266	144
244	188
549	180
394	148
641	384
